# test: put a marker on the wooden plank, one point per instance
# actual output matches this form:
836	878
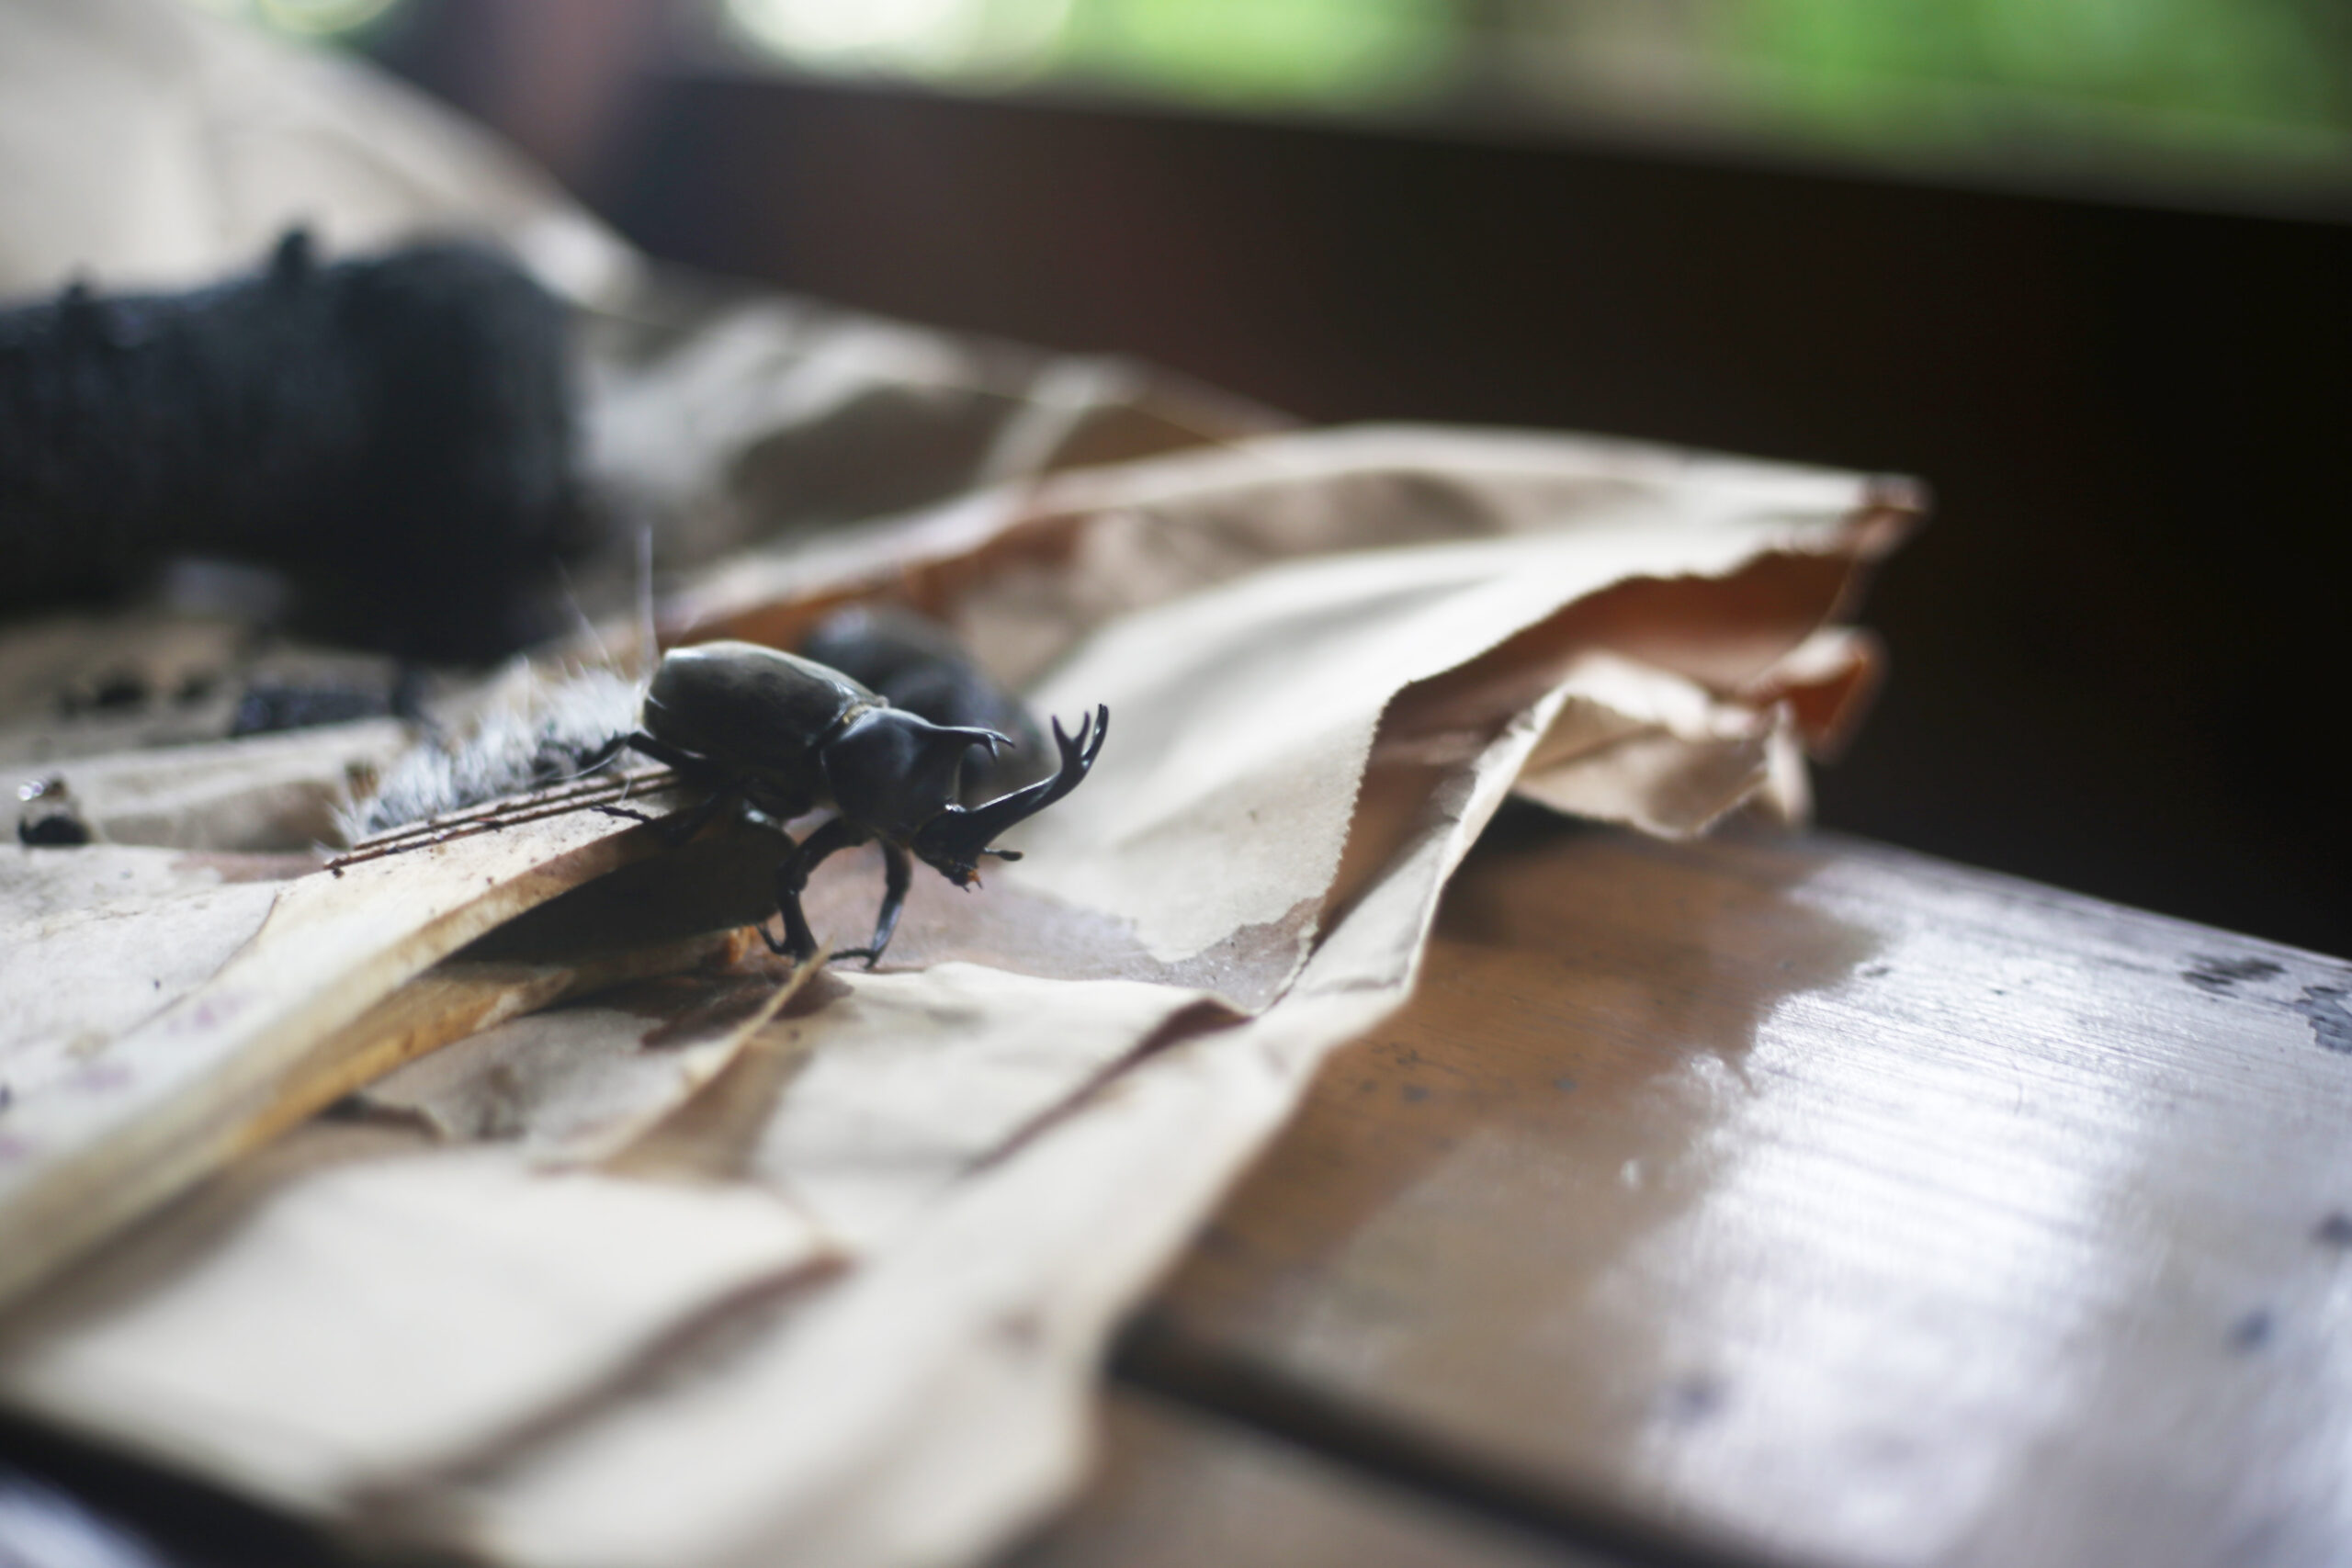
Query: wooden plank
1815	1201
1177	1490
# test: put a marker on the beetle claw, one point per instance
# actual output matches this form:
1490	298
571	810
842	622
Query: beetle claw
955	838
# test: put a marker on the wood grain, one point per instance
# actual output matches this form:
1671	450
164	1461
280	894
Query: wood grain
1179	1490
1816	1202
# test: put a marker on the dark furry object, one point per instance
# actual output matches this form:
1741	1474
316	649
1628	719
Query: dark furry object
395	434
918	664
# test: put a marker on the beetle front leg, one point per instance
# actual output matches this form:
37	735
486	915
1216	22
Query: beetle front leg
680	826
897	874
662	752
800	943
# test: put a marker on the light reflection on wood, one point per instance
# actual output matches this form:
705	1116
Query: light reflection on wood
1826	1198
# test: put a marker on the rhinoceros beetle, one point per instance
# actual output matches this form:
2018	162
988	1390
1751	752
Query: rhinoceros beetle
787	735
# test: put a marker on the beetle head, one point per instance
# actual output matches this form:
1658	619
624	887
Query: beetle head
895	772
952	841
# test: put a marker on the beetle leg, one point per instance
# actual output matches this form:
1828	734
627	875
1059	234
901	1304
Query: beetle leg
680	826
639	741
792	879
897	874
589	761
663	753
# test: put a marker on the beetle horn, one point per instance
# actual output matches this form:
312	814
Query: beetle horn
956	838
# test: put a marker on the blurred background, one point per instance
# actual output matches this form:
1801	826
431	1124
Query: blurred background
2085	266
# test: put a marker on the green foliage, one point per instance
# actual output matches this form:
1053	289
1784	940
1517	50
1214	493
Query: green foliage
2219	73
1323	52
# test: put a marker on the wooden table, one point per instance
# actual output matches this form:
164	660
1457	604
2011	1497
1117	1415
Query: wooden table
1752	1202
1797	1201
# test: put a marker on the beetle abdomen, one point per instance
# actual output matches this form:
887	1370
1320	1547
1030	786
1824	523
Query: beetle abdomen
752	709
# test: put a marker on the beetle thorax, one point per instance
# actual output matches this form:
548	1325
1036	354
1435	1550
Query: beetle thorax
892	770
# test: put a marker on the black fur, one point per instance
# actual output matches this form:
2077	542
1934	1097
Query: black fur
396	434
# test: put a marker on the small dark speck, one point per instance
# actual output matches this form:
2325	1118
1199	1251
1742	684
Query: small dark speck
1565	1084
2221	974
1415	1094
268	707
2329	1020
1785	964
2334	1231
122	689
159	984
1693	1399
57	830
2253	1331
1875	971
7	1096
1023	1330
1220	1241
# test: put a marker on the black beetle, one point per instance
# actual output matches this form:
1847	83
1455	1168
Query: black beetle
787	735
